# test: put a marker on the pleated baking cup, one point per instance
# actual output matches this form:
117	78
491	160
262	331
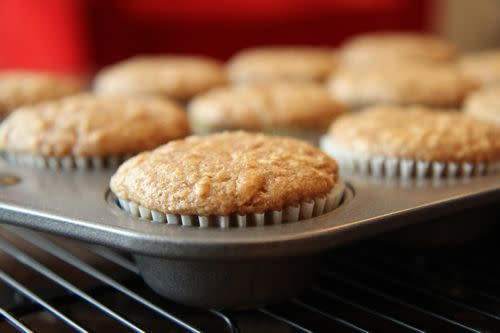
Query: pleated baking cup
302	211
65	162
394	167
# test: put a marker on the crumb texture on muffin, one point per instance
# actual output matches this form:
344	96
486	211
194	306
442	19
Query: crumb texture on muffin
18	88
484	104
265	105
222	174
373	49
417	133
179	77
482	66
431	85
86	125
277	63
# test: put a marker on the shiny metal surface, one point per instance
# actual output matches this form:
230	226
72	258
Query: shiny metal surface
77	204
370	286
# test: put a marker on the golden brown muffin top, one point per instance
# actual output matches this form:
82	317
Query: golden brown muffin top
276	63
221	174
373	49
484	104
483	66
302	105
19	88
430	85
417	133
86	125
179	77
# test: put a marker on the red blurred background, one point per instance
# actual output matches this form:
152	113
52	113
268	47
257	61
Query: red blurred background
81	36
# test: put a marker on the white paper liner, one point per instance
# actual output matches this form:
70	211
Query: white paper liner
393	167
65	162
303	211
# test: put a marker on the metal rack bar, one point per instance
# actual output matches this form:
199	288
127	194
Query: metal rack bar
32	263
35	298
14	321
488	279
130	266
229	322
114	257
397	300
329	316
330	294
411	295
435	277
284	320
67	257
431	292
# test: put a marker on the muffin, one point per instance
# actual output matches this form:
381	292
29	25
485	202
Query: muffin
430	85
86	131
413	142
281	63
19	88
374	49
302	109
484	104
228	179
483	66
177	77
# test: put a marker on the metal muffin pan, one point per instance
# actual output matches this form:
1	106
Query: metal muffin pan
233	267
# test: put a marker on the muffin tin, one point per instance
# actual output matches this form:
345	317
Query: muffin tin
233	267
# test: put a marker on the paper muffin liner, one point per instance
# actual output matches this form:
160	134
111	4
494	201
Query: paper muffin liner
65	162
394	167
302	211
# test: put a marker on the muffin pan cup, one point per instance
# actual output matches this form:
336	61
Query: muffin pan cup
302	211
241	284
226	267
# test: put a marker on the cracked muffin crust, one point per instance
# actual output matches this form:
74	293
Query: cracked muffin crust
281	63
417	133
179	77
87	125
374	49
430	85
261	106
226	173
18	88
